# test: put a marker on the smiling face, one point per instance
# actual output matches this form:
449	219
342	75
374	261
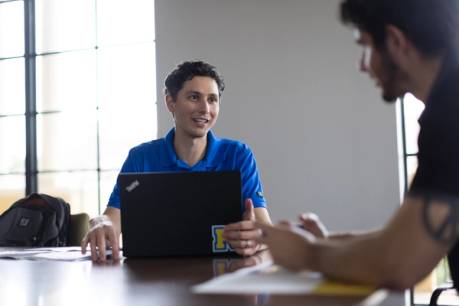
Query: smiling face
196	107
380	66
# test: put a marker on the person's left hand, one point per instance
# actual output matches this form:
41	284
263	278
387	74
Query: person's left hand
242	235
288	244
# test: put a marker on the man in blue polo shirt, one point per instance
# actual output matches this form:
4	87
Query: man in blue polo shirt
192	95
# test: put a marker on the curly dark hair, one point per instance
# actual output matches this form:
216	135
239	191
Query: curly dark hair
186	71
431	25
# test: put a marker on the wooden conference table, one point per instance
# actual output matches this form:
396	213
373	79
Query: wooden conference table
137	282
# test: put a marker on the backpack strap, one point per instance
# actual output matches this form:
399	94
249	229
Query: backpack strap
62	209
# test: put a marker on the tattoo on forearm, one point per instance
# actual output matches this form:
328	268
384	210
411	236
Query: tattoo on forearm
442	226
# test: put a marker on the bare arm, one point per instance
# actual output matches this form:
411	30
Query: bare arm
353	235
398	256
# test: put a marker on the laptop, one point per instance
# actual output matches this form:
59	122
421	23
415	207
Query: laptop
178	213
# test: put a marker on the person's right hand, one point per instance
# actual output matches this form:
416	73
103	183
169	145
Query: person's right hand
101	234
242	235
312	223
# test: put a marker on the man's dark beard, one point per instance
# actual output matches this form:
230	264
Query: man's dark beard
391	74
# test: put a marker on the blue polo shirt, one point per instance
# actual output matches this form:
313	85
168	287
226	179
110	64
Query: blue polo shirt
221	155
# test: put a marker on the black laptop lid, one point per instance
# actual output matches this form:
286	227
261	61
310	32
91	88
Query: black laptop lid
178	213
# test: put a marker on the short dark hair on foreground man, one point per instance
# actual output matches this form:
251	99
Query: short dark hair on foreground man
432	26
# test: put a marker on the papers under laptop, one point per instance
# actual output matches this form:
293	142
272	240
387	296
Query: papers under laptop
178	213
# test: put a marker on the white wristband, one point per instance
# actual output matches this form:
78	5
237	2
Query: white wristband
100	221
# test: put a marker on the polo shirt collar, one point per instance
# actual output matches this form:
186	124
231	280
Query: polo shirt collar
212	150
170	157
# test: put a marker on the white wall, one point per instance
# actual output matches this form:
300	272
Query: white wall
323	139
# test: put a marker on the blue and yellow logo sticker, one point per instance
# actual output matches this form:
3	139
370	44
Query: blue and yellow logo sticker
219	245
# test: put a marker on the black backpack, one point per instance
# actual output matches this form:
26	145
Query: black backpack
37	220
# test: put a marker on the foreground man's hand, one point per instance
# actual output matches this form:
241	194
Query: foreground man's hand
102	234
288	245
312	223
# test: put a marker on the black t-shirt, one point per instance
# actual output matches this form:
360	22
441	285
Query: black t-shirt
438	156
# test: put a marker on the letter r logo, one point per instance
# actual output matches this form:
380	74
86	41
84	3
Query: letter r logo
219	245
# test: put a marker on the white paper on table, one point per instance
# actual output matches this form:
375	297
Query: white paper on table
46	253
64	254
263	278
19	252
